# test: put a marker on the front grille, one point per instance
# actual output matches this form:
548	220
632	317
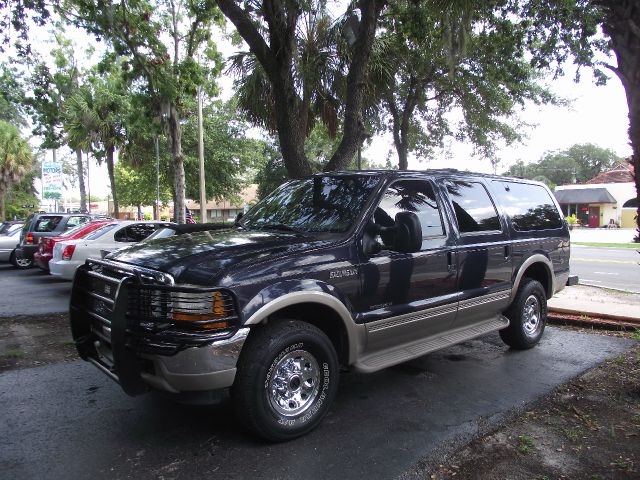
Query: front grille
158	318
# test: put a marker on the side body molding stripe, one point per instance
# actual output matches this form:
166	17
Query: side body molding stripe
356	334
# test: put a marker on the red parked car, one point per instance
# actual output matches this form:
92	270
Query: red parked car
45	244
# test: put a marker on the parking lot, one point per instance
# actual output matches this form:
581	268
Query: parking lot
68	419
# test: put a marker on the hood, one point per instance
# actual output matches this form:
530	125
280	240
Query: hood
199	257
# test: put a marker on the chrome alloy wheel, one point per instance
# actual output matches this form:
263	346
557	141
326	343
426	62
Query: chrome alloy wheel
23	262
295	383
531	316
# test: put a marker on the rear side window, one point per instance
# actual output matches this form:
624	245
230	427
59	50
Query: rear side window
473	207
530	207
75	221
136	232
47	223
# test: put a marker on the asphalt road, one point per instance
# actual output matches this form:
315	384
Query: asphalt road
607	267
31	292
70	421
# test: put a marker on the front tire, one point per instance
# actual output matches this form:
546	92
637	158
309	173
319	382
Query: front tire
286	381
527	316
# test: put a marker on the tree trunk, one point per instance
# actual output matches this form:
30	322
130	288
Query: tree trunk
291	130
175	141
112	181
83	195
354	131
622	25
2	212
139	214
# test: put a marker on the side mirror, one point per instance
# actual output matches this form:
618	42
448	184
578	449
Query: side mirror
408	233
369	244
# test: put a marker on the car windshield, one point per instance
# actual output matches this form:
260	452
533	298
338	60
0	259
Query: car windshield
101	231
316	204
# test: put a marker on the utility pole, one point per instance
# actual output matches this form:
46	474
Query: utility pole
203	193
157	209
89	182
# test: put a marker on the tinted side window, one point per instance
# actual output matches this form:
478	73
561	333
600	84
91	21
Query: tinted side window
135	233
415	196
473	207
47	223
529	206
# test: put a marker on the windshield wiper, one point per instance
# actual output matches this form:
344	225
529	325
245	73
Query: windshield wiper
279	226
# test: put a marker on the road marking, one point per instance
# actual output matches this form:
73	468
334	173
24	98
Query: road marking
604	273
598	260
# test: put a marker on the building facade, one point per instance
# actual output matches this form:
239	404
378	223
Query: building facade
609	199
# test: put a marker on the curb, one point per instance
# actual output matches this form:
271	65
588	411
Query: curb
621	290
607	316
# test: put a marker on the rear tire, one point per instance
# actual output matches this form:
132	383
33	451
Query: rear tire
20	263
527	316
286	381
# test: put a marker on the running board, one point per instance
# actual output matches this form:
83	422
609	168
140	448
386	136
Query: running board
402	353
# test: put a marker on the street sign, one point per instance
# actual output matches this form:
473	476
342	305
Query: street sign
51	180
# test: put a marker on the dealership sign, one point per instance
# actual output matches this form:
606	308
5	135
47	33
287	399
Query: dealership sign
51	180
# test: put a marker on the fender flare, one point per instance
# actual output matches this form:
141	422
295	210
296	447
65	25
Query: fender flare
536	258
355	333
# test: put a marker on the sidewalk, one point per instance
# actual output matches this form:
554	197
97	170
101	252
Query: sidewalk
595	301
603	235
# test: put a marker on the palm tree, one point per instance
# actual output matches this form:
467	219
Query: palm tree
15	159
94	122
318	75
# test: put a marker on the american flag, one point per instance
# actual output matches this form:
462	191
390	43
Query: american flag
188	217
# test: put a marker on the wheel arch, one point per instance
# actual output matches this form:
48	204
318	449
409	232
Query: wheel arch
320	309
537	267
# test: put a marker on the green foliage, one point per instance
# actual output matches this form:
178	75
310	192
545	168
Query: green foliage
571	220
138	187
16	160
22	193
458	56
577	164
11	96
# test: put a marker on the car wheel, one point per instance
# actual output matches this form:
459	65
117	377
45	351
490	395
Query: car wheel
286	381
19	262
527	315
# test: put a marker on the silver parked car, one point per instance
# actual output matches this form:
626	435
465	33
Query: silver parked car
8	245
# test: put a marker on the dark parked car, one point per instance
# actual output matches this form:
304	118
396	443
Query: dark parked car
40	225
360	269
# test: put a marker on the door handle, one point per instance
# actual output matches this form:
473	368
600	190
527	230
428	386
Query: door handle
507	251
450	262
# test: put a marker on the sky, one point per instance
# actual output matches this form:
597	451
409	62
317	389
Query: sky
596	114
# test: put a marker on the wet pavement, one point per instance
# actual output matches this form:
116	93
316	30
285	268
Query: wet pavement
70	421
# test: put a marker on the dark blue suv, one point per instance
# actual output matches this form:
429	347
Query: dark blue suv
355	269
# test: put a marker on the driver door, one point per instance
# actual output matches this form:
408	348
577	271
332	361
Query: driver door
408	296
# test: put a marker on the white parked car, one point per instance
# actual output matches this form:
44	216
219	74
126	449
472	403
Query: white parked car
8	244
67	256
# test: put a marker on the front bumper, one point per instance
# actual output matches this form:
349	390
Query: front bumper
211	367
136	353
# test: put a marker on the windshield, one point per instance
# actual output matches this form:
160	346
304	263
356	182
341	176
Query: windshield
317	204
101	231
161	233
